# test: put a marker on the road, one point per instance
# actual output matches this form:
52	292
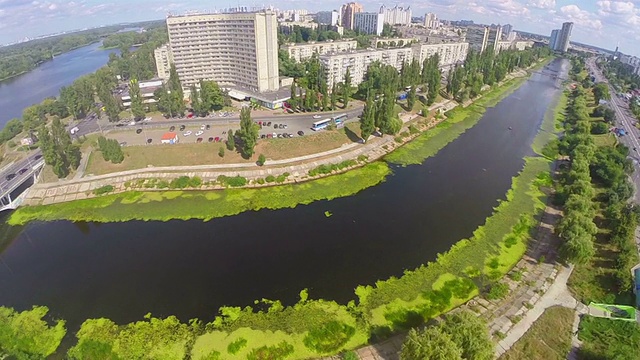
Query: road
624	120
154	129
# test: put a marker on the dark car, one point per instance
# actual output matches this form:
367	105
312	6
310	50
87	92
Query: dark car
263	136
269	123
182	127
301	133
172	128
149	141
280	126
199	140
22	171
38	157
275	126
210	139
138	131
10	177
207	127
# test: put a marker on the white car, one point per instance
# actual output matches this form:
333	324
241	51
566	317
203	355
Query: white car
202	127
187	133
199	133
317	116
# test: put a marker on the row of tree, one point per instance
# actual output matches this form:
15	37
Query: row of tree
111	150
57	148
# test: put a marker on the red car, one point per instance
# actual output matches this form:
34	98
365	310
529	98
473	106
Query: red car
217	139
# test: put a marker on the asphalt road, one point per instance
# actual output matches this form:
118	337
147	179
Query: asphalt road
625	120
15	168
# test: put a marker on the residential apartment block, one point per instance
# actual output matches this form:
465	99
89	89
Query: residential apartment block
235	49
163	61
304	51
347	14
335	65
396	15
431	21
369	23
328	17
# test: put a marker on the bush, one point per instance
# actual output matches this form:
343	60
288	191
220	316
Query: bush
261	160
235	181
260	181
235	346
498	291
413	130
516	275
276	352
179	183
599	127
221	151
362	158
103	190
195	182
350	355
270	178
329	338
111	150
162	184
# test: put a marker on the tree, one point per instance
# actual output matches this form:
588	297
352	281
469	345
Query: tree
346	88
212	97
368	118
601	92
261	160
111	150
411	98
470	333
57	148
431	343
231	141
248	132
334	96
293	100
221	151
137	107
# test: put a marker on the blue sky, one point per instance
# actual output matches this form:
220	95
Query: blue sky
603	23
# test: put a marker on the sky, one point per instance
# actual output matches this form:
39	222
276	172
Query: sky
604	23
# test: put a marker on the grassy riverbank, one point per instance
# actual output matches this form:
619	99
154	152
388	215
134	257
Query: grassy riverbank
205	205
458	121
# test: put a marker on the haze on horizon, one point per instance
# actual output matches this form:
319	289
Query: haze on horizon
603	23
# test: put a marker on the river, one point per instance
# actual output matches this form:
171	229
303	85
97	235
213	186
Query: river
46	80
189	268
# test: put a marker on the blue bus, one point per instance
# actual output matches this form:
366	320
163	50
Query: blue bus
322	124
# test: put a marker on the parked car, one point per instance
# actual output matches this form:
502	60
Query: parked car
279	135
263	136
187	133
269	136
269	123
207	127
38	157
301	133
182	127
172	128
274	135
138	131
199	140
149	141
275	126
124	143
210	139
200	132
203	126
217	139
317	116
10	177
22	171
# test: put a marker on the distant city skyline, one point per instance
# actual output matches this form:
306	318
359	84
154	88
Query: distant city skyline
603	23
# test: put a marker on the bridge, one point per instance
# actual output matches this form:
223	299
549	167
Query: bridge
17	178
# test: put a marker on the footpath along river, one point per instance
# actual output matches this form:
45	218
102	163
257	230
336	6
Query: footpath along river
46	80
189	268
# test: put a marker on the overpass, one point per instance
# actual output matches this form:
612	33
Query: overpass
17	178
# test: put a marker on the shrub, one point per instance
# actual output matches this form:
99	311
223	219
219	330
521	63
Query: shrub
162	184
413	130
516	275
276	352
261	160
221	151
12	144
362	158
498	291
235	346
398	139
350	355
103	190
195	182
599	127
235	181
329	338
260	181
179	183
270	178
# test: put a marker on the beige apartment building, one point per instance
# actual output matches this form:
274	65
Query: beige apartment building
304	51
163	61
335	65
233	49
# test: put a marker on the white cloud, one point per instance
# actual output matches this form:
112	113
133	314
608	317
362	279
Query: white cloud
542	4
580	17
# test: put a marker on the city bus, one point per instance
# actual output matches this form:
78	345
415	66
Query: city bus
322	124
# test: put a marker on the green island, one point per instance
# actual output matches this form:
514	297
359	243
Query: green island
310	328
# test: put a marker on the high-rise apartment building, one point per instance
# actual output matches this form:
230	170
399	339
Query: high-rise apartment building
564	36
553	39
369	23
163	61
328	17
431	21
238	49
495	36
396	15
506	30
348	13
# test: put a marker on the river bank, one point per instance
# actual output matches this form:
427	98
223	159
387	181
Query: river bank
43	199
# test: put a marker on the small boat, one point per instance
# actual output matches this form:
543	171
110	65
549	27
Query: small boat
510	128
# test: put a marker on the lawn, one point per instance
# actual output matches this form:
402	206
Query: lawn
548	338
609	339
137	157
604	140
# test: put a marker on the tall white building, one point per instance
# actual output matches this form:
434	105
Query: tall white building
304	51
506	30
564	36
396	15
237	49
553	39
328	17
431	21
163	61
369	23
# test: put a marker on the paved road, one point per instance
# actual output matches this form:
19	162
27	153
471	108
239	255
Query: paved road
15	168
625	120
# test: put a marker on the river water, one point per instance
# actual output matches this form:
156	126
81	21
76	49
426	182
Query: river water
190	268
46	80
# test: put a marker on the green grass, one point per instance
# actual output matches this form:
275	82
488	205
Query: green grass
206	205
458	121
549	338
551	124
604	140
609	339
